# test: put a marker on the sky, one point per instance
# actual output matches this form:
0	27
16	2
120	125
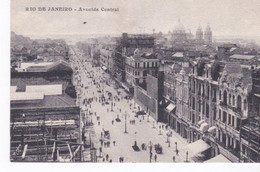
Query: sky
226	17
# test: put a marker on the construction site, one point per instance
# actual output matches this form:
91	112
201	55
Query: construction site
45	123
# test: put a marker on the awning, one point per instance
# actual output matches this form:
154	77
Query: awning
218	158
201	121
212	129
198	147
170	107
204	127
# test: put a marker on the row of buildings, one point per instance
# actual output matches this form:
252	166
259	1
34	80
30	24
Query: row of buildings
201	90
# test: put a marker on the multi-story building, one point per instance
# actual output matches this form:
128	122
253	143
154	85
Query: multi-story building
139	65
250	132
203	88
107	58
235	86
181	115
126	48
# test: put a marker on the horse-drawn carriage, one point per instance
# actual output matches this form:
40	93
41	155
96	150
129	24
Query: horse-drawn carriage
158	148
106	134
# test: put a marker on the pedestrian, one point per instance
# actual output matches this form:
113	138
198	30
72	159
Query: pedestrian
112	122
173	158
155	157
101	134
110	160
98	123
140	120
177	152
100	150
108	144
163	127
114	143
159	127
107	157
103	159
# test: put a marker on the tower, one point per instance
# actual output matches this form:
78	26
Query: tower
199	34
208	35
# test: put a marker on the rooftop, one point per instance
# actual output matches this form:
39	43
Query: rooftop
44	66
47	101
242	57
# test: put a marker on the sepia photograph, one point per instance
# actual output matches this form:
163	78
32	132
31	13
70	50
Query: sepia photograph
134	81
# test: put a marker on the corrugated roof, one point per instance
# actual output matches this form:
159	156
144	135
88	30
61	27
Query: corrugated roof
48	102
242	57
46	89
23	96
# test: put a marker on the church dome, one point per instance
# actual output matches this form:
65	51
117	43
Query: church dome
179	27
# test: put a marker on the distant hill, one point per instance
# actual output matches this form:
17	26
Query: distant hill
19	40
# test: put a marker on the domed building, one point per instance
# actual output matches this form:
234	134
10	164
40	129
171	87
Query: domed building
199	34
179	34
208	35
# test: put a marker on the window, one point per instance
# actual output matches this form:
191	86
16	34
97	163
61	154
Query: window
144	64
233	100
193	103
229	119
214	115
148	64
239	103
152	64
245	104
224	117
208	92
203	112
220	96
233	121
199	106
207	110
225	97
229	99
219	114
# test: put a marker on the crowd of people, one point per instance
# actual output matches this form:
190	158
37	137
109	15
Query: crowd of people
86	77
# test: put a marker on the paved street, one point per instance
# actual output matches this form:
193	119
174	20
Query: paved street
141	132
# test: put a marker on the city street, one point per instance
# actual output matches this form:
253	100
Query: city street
143	129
